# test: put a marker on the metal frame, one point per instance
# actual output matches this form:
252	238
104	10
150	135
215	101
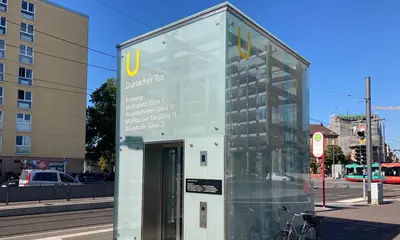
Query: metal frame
164	144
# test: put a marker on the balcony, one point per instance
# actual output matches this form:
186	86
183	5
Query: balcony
24	104
25	81
23	127
23	149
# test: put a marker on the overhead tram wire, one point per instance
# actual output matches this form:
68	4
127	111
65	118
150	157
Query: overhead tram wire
124	14
47	81
66	59
64	40
45	87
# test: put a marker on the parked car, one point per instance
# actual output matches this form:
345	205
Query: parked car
90	177
10	183
30	178
278	177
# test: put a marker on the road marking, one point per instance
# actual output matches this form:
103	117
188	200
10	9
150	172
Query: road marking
352	200
55	232
72	235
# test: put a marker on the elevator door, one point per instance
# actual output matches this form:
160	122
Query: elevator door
172	191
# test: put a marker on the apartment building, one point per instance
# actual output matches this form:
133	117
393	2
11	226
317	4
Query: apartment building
42	86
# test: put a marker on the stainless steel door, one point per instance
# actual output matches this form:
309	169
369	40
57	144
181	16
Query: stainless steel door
172	194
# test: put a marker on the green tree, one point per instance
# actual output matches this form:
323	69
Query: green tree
100	123
330	151
102	164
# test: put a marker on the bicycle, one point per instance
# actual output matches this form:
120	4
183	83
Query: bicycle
309	230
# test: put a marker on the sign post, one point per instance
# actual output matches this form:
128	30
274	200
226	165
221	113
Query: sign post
65	164
318	152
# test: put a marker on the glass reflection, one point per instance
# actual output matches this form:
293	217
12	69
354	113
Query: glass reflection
267	139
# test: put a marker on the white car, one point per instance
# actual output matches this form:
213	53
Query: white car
278	177
30	178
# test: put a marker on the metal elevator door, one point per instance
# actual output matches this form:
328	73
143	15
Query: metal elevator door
172	185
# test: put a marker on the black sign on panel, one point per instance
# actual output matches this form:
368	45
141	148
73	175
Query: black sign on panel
205	186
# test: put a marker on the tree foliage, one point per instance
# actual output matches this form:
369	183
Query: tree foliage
100	123
333	150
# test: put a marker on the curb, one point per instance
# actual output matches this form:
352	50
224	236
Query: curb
54	209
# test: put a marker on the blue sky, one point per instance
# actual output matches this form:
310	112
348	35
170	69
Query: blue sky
344	40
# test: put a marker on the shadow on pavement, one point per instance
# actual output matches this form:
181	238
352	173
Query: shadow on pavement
331	208
343	229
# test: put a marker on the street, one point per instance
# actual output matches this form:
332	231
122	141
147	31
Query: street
340	190
94	224
341	213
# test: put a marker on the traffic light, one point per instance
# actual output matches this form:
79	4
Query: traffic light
361	154
361	133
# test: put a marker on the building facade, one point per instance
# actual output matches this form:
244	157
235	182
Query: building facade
347	127
330	137
212	119
42	86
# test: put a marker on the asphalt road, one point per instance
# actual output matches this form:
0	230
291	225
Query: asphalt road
342	191
69	225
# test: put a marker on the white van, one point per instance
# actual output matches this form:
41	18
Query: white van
32	177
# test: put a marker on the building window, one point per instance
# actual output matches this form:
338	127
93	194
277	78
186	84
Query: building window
28	10
3	25
26	33
23	122
24	99
1	119
1	96
25	54
3	5
2	48
23	145
1	72
25	76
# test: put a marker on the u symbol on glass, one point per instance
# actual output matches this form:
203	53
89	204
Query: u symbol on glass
128	63
244	56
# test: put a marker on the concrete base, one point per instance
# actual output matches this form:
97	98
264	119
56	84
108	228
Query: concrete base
377	193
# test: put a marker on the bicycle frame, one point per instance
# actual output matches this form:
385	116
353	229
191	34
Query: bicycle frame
293	229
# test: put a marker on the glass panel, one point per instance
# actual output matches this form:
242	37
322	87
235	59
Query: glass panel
20	117
267	140
178	92
21	94
3	7
28	96
19	140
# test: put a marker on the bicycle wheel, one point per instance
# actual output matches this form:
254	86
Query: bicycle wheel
282	235
310	234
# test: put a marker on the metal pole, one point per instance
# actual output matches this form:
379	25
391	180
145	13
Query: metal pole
383	151
323	179
369	135
333	164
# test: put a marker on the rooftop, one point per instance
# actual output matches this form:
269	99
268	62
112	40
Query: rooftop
321	128
64	8
226	6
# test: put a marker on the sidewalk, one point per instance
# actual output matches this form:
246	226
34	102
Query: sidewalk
360	221
53	206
